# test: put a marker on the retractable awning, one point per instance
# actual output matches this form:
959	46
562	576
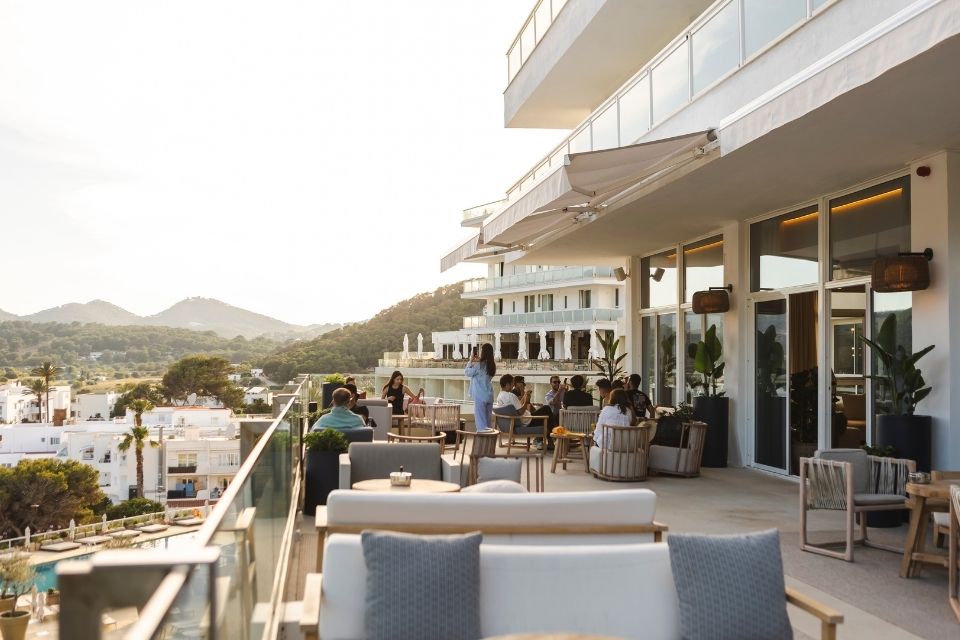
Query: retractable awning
585	183
461	253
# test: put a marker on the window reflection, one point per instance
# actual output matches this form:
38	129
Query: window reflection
716	47
692	327
869	223
783	250
702	266
658	284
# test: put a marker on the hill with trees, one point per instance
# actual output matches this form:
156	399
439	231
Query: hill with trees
358	346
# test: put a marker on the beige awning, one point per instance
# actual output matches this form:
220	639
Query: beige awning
584	183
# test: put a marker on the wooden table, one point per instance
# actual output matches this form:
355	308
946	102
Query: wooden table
561	450
400	420
927	498
416	486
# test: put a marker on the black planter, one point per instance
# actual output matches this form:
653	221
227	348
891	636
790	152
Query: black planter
327	389
910	437
322	477
882	519
715	411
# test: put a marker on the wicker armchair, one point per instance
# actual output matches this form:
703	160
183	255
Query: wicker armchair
483	444
680	457
439	438
851	481
579	419
623	454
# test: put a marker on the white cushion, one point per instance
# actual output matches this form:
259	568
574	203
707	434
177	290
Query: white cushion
941	518
665	458
495	486
631	589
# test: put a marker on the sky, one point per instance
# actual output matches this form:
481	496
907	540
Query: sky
306	160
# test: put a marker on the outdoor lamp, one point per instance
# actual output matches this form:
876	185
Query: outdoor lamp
905	271
713	300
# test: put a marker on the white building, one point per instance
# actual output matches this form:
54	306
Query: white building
253	394
15	403
60	398
186	416
93	406
780	148
22	441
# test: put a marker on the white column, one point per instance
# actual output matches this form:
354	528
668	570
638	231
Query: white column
737	327
631	319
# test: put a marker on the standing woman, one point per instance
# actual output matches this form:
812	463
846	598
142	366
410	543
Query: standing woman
394	391
481	370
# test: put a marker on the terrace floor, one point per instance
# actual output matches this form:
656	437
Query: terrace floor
875	601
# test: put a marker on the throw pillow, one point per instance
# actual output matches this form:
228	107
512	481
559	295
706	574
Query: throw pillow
412	579
499	469
495	486
730	586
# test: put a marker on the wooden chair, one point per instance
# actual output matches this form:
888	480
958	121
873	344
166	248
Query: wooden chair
953	557
851	481
396	437
483	445
623	454
579	420
512	426
941	520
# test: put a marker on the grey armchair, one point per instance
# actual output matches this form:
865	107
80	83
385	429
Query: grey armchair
375	460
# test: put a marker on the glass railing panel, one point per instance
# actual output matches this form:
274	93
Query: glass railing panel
605	133
513	61
557	5
527	41
635	111
542	18
670	85
764	20
580	141
556	160
715	47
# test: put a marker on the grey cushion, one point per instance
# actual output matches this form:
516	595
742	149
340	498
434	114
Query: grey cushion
422	587
358	434
499	469
495	486
509	410
372	460
730	586
869	499
861	465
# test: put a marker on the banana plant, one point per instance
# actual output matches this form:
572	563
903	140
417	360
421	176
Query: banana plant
898	374
609	364
706	356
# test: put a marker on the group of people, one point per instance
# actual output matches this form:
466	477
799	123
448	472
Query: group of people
347	413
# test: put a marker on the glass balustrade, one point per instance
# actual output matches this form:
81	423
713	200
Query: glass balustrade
531	33
540	318
696	59
550	276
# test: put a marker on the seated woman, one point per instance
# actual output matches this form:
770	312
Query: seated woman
618	412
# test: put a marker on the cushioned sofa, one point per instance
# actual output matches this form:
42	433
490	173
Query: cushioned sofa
624	591
372	460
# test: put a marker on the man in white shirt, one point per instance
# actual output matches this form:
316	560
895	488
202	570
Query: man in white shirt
507	398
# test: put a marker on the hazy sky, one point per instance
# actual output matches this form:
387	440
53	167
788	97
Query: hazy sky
307	160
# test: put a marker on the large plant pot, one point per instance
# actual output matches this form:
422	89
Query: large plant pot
910	437
715	411
327	389
7	604
322	477
13	626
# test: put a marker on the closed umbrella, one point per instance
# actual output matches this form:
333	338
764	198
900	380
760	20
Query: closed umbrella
496	346
419	345
544	352
522	348
567	339
73	528
406	346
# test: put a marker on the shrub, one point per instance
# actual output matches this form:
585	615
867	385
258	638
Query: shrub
335	377
133	507
326	440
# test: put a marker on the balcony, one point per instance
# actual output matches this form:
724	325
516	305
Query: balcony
536	279
541	318
569	55
474	216
183	468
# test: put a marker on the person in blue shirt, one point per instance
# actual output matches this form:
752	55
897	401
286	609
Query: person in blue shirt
340	416
481	370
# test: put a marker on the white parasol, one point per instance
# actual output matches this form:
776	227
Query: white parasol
406	346
419	345
567	339
522	348
496	346
544	352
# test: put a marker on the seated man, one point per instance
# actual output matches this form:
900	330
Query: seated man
507	399
340	416
577	397
642	406
353	406
604	389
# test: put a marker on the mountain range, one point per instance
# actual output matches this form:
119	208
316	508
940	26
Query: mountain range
198	314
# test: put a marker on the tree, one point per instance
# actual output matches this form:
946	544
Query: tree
48	371
137	437
39	388
139	391
133	507
205	376
47	492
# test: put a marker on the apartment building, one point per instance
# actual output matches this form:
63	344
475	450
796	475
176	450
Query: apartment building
776	148
15	403
93	406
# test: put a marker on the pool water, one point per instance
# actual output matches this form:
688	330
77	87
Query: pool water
46	573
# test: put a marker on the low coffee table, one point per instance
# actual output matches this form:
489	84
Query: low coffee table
416	486
561	450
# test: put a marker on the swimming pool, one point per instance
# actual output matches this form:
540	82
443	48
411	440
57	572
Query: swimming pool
46	573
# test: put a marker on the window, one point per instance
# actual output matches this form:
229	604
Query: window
86	453
227	459
635	111
546	302
529	304
783	250
186	459
54	440
658	280
716	47
584	298
702	266
514	306
564	302
499	269
671	83
869	223
616	298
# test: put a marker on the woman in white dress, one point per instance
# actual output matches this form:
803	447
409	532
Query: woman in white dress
617	412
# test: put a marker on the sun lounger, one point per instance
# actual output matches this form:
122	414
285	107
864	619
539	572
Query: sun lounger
188	522
94	540
57	547
124	534
153	528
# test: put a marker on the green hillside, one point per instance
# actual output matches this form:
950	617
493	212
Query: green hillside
358	346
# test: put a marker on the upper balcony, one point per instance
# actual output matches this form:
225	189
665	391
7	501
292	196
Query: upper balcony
549	279
571	54
542	318
474	216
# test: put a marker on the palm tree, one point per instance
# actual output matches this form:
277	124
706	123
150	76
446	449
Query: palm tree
137	436
48	371
38	388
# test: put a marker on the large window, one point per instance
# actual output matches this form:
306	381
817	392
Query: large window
648	355
869	223
716	47
900	307
702	266
658	280
784	250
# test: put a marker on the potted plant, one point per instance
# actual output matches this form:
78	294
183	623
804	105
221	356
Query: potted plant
16	578
903	384
609	364
331	383
711	407
322	466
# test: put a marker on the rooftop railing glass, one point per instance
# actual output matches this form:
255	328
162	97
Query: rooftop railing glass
531	33
229	583
549	276
719	41
540	318
482	211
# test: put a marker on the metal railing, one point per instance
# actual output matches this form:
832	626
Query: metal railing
701	54
229	583
549	276
79	531
183	468
504	365
531	33
540	318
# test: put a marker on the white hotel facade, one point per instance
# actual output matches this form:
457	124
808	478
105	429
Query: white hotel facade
778	146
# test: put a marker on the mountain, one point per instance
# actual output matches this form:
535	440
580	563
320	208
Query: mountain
197	314
358	346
